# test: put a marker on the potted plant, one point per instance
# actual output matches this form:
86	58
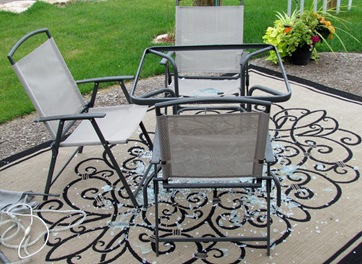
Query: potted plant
296	35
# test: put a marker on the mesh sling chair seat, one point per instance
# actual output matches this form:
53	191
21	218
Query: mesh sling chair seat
56	97
213	150
208	73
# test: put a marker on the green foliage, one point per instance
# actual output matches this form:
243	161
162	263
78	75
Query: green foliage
298	30
287	20
101	38
274	36
95	38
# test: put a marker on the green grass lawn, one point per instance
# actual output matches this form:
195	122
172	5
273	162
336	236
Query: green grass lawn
108	37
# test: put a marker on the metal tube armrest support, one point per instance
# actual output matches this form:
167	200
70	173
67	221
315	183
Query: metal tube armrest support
213	100
165	54
97	81
159	91
277	96
71	117
106	79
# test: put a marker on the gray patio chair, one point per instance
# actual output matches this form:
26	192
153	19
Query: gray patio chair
213	150
208	72
56	97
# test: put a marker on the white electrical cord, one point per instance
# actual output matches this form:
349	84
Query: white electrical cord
15	222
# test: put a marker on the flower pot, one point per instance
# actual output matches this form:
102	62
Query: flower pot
302	55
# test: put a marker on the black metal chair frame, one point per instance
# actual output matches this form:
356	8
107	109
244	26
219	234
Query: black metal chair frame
256	183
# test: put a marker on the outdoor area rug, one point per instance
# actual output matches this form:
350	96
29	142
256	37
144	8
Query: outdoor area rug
317	141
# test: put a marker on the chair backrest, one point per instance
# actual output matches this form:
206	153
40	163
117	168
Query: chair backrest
47	80
207	25
213	145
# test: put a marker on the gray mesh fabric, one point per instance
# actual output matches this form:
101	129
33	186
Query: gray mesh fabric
49	84
207	87
117	126
209	25
222	145
55	95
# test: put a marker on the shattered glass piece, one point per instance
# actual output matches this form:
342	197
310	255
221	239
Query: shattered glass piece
293	205
320	166
140	168
119	224
328	190
145	155
144	250
233	215
107	188
206	91
179	227
289	170
312	144
225	251
192	216
286	198
289	214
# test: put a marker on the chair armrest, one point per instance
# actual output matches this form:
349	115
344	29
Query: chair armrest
277	96
264	89
156	154
99	80
71	117
106	79
164	60
147	99
269	153
244	57
159	91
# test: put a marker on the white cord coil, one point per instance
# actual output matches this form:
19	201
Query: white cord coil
16	227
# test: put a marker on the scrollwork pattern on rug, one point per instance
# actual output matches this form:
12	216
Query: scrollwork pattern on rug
314	160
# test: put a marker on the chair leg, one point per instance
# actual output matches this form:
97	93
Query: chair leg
50	172
51	175
268	189
147	136
55	151
120	174
147	182
113	161
80	150
155	188
143	185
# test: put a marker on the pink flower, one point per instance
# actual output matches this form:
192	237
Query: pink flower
315	39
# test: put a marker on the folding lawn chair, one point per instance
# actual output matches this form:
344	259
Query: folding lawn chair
55	95
213	150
